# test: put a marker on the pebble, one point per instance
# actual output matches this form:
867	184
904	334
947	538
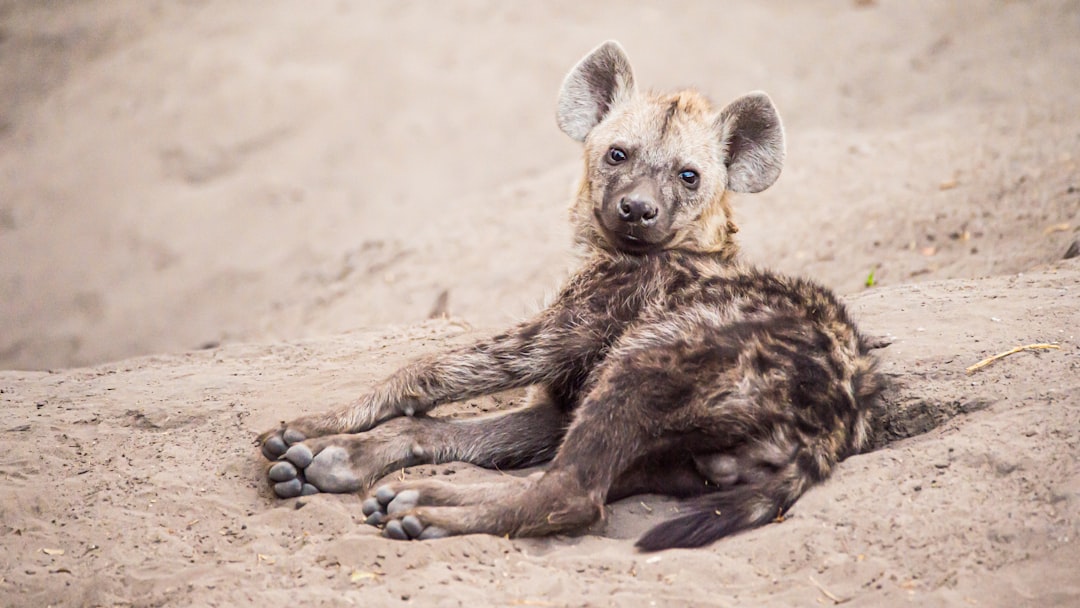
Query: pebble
1073	250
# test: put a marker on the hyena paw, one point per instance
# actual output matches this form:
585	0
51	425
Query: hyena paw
396	513
287	475
377	506
412	527
275	442
309	468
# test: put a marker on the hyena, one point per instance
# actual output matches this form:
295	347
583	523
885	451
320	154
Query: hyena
665	365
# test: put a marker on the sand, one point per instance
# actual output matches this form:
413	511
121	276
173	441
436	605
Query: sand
216	215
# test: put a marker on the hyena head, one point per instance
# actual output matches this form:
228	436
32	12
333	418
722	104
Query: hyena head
658	168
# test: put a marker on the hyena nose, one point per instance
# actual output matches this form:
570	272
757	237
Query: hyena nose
634	211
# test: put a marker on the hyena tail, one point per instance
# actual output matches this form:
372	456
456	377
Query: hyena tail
766	497
725	512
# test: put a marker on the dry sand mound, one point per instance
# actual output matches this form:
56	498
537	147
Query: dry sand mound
295	186
136	483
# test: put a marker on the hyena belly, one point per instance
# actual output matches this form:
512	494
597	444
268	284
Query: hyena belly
769	386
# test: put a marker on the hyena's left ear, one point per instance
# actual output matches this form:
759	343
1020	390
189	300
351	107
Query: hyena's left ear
753	138
595	85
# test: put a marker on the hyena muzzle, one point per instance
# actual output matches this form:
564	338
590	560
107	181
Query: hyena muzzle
664	365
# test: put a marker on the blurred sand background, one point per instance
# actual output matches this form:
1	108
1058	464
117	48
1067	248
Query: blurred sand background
264	202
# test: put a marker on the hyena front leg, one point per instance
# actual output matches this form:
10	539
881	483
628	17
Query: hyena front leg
533	353
353	462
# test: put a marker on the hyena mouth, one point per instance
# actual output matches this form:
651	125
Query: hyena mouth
630	243
633	239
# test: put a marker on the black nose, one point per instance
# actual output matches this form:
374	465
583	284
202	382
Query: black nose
634	210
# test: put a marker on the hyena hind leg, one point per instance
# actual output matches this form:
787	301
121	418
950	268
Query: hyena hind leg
614	431
670	474
398	497
751	463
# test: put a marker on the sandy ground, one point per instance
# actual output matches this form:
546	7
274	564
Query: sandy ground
290	187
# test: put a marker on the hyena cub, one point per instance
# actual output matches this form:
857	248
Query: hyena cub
663	366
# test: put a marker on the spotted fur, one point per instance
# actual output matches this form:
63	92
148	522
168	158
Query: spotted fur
665	364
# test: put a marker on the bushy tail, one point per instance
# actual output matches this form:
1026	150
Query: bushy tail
719	514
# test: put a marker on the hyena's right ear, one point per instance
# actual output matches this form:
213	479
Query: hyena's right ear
597	83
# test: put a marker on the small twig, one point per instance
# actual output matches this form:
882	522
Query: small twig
989	360
827	593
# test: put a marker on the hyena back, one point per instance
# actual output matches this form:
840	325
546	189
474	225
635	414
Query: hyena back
664	364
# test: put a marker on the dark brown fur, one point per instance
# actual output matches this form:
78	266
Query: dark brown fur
664	364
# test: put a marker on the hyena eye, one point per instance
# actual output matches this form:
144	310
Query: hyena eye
689	178
615	156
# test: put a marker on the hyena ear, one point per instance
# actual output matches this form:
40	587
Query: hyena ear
596	84
753	138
